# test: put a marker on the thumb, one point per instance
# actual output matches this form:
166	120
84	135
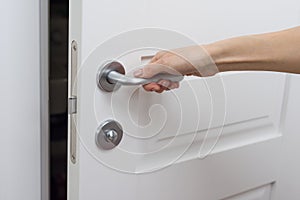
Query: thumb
148	71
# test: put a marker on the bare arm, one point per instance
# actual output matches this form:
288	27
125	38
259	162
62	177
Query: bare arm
278	51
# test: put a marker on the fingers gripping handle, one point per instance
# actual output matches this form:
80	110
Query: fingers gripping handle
112	76
116	77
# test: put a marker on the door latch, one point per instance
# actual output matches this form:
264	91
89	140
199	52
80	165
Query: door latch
72	105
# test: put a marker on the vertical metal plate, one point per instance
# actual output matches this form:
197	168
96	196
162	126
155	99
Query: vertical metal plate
72	99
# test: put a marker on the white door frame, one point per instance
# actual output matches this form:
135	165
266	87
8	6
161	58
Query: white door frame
44	94
24	126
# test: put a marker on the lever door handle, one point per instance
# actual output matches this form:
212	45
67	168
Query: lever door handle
112	75
116	77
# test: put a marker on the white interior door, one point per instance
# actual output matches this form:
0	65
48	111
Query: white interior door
213	138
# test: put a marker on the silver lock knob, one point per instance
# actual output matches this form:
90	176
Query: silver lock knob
109	134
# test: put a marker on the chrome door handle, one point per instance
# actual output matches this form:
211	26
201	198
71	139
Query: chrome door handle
116	77
112	75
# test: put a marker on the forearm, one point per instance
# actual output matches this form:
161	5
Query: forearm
278	51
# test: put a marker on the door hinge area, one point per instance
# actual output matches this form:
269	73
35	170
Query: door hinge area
72	105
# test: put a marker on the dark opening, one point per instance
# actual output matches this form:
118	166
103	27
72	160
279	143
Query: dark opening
59	16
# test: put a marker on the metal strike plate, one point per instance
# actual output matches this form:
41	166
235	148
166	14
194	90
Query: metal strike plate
72	106
109	134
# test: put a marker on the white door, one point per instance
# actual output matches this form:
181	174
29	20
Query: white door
213	138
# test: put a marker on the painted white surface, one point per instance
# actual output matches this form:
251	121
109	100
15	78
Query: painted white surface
289	169
20	151
244	164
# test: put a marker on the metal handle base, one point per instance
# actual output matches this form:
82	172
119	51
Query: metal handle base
109	134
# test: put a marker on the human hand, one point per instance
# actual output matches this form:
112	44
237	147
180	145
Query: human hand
193	60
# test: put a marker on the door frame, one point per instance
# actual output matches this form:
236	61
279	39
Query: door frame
44	98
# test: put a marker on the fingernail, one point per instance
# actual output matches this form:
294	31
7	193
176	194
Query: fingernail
164	83
172	86
138	72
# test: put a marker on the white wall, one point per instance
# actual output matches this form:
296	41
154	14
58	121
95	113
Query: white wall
20	89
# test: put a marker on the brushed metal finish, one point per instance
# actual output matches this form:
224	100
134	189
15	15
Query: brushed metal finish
112	76
72	100
102	76
109	134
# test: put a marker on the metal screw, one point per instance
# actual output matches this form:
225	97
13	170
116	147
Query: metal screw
73	158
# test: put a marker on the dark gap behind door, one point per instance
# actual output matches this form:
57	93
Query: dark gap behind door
59	14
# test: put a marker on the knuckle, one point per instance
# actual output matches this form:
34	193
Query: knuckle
163	62
159	54
148	70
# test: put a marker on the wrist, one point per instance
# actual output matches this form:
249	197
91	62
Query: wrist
216	53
